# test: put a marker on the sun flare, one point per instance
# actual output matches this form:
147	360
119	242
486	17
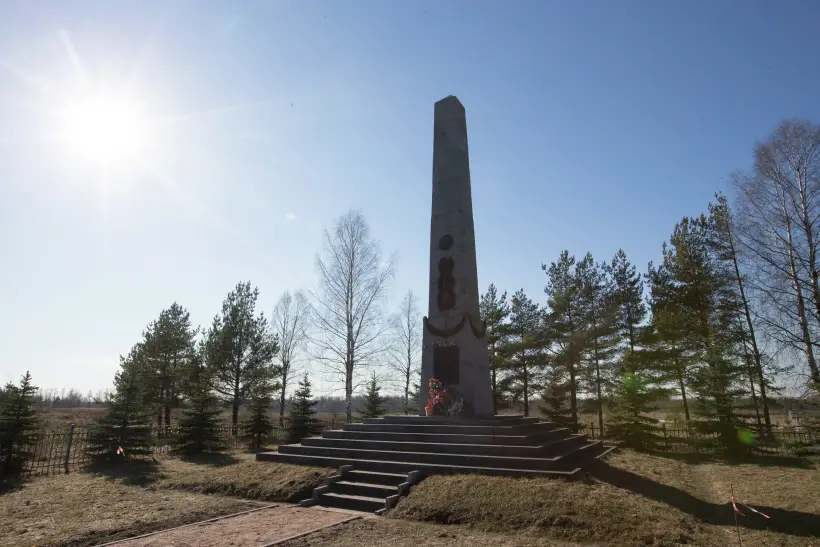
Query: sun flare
103	129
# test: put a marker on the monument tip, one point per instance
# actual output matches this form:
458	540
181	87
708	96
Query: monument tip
448	107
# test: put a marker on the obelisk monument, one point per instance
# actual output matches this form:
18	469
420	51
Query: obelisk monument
454	348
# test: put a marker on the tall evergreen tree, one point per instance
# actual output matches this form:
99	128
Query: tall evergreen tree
597	328
630	417
302	422
555	396
629	307
258	425
703	295
563	301
168	349
199	424
18	426
126	423
665	346
495	311
415	395
521	349
240	349
724	243
373	401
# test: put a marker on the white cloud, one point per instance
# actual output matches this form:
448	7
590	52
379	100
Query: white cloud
290	217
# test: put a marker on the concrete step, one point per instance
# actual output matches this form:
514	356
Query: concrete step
544	434
448	420
473	460
561	446
451	429
375	477
448	448
381	491
352	502
427	469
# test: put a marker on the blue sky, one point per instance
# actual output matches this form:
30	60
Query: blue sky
592	126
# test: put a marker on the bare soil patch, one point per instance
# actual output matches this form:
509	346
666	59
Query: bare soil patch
249	530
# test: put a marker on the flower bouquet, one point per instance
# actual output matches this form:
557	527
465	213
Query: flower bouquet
437	398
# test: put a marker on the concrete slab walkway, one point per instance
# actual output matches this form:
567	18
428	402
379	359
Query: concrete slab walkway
263	527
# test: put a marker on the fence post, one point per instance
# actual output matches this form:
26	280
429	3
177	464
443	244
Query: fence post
592	428
68	447
665	440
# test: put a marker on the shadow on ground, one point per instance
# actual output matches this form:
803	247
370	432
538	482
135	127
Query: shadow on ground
132	473
784	521
692	458
214	459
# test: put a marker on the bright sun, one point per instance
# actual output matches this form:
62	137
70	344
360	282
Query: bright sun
103	129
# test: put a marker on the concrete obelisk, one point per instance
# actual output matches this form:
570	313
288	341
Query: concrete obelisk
454	349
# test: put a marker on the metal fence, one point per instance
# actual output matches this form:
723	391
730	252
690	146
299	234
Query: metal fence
680	438
64	450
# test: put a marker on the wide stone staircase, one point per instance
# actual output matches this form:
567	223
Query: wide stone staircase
381	459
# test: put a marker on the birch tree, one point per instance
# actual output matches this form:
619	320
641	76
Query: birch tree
405	348
347	306
290	320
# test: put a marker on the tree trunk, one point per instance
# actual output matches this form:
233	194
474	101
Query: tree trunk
349	395
494	380
801	309
758	365
236	400
282	398
598	389
752	386
683	393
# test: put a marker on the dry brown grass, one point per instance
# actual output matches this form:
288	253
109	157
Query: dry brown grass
571	511
635	499
81	509
240	475
397	533
90	508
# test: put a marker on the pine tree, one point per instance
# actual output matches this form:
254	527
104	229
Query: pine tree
724	245
126	424
521	349
494	311
664	342
629	413
199	424
258	425
706	308
168	349
597	328
563	301
555	396
373	401
19	426
629	307
240	349
301	420
414	397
